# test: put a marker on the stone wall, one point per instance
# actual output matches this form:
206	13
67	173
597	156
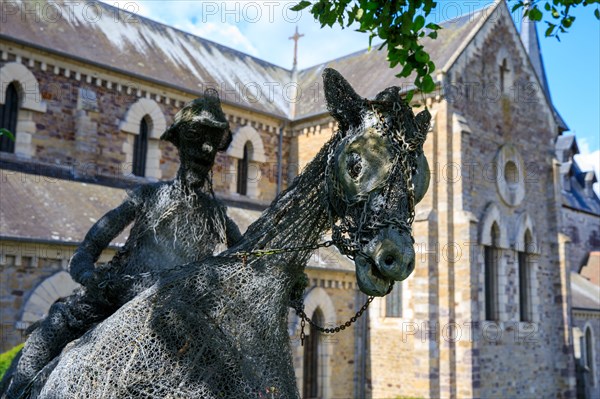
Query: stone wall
489	121
84	125
23	268
582	320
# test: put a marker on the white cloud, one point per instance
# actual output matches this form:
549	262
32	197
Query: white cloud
584	145
260	28
590	161
223	33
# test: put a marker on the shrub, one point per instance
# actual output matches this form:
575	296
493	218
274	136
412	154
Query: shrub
7	357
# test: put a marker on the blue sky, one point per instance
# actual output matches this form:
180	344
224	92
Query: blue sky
262	28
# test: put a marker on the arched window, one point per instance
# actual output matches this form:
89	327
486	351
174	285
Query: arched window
491	275
242	170
8	117
140	149
525	280
312	386
589	353
247	148
393	301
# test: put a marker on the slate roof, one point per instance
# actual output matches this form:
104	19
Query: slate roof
584	293
45	209
567	142
576	196
565	149
138	46
41	208
97	33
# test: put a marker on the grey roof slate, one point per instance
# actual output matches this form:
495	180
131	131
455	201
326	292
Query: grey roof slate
576	197
566	142
40	208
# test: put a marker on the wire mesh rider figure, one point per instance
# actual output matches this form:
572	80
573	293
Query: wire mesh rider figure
174	223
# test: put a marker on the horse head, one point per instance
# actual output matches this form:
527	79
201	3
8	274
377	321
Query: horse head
375	175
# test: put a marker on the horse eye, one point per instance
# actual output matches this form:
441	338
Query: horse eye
354	165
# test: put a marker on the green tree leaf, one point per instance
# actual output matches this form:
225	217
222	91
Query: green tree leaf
7	133
535	14
518	5
301	6
427	84
419	23
400	23
422	57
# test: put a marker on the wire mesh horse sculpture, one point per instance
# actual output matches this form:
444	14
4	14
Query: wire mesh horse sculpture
218	328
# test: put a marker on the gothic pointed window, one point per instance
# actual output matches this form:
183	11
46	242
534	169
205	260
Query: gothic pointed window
525	280
491	275
589	353
8	117
313	351
140	150
242	170
393	301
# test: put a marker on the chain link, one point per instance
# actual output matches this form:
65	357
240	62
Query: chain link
305	319
276	251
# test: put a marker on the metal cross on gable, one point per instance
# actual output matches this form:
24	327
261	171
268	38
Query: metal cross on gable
295	38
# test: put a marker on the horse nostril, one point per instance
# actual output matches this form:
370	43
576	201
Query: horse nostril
389	260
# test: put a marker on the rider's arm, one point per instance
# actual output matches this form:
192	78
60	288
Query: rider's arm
232	232
81	265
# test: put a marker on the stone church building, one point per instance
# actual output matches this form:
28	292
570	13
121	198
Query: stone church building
502	302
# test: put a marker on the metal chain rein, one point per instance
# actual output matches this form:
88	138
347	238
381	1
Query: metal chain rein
304	318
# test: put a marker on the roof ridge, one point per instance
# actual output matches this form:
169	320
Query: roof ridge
353	54
369	48
465	43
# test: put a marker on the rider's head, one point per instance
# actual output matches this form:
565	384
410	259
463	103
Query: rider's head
199	131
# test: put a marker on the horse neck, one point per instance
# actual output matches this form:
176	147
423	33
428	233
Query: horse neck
297	218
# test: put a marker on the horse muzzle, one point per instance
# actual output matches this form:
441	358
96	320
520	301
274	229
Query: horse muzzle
388	257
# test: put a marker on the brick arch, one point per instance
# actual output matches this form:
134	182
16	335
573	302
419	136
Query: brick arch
38	303
240	138
27	86
138	110
493	215
149	109
524	224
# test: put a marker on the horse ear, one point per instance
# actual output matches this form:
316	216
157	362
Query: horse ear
342	101
421	178
423	121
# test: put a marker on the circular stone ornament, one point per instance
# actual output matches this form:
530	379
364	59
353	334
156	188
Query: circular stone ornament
510	175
